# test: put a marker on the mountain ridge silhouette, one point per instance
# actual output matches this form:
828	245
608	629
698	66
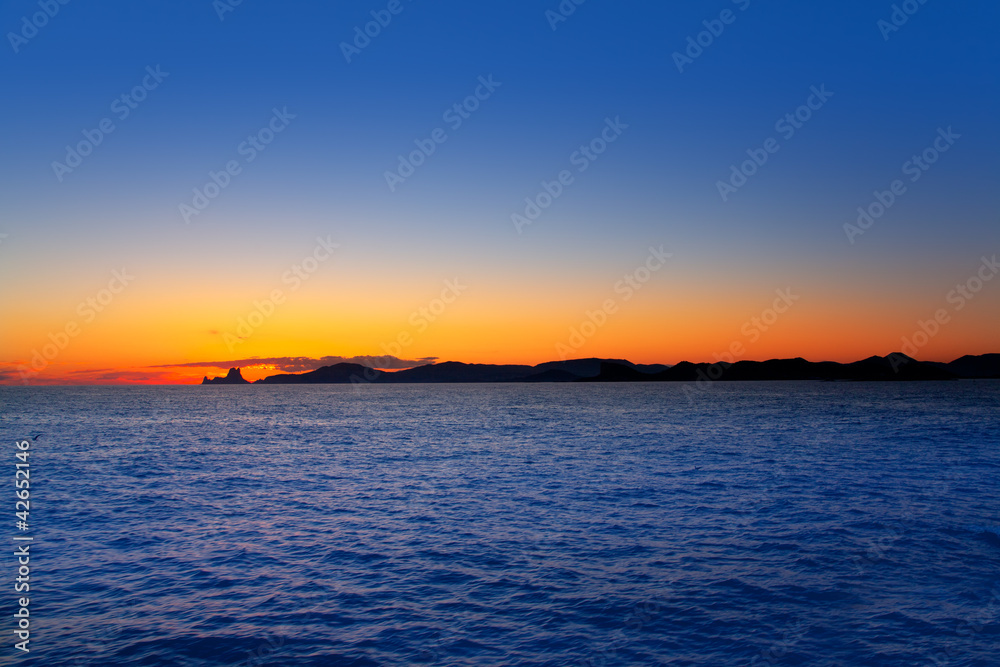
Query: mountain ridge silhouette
893	367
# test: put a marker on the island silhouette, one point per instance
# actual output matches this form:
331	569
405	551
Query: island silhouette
893	367
234	376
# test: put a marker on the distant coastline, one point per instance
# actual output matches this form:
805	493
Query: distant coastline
893	367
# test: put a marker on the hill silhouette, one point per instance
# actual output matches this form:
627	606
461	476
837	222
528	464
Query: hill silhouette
969	366
893	367
336	374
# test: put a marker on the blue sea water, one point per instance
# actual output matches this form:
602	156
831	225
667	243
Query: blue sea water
593	524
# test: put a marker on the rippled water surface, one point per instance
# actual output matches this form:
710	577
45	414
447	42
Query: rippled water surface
756	523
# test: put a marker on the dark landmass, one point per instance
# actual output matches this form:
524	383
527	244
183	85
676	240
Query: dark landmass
336	374
454	371
232	377
894	367
585	368
969	366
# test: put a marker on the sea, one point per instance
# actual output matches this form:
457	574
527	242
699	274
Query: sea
757	523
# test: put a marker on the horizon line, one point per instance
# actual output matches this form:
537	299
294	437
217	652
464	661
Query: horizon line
110	377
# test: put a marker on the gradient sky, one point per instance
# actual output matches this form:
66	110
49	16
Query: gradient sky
522	294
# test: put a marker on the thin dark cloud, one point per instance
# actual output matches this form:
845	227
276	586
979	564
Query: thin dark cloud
129	376
89	376
9	375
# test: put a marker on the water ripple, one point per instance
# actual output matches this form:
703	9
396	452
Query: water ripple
757	523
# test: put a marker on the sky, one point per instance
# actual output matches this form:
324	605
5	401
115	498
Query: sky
190	186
